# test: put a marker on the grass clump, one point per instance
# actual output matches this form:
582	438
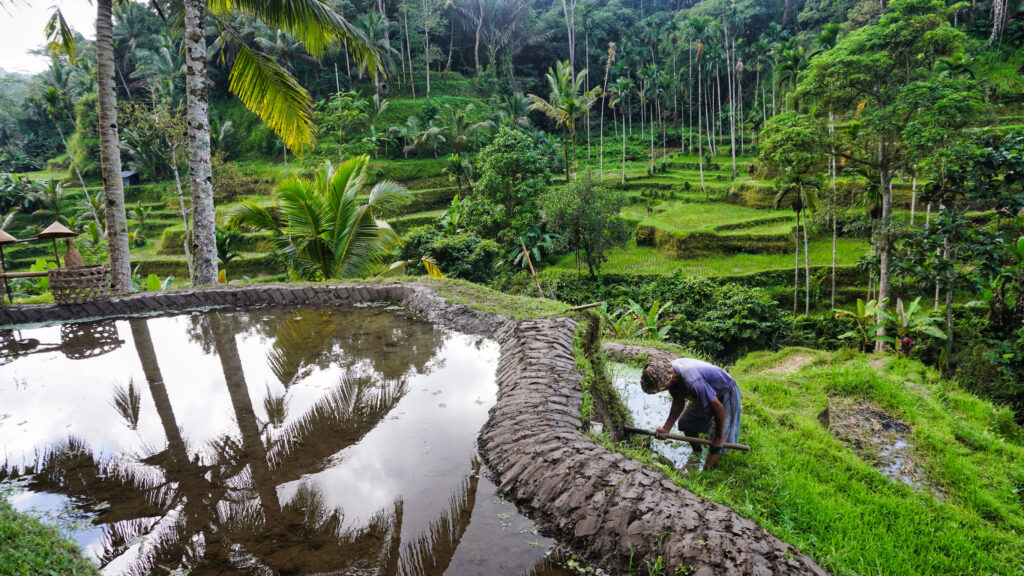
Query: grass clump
810	489
27	546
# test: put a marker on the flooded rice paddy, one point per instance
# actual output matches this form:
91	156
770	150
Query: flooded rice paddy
270	441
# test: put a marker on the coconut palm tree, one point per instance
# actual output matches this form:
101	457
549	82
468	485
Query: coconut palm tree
61	40
457	125
110	151
262	84
800	194
324	230
566	103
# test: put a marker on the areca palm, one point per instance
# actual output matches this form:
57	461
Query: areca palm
800	194
325	230
621	90
566	103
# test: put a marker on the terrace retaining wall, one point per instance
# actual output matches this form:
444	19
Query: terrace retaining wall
603	505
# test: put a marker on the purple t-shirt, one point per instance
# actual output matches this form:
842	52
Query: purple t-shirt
701	381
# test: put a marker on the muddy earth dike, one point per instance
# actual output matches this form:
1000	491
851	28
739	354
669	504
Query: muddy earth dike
608	508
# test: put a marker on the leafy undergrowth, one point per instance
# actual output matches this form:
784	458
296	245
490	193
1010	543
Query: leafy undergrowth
27	546
813	491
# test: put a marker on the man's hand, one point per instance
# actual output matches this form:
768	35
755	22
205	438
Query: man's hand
661	433
712	462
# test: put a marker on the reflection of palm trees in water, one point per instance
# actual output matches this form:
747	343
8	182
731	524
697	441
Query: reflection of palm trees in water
220	511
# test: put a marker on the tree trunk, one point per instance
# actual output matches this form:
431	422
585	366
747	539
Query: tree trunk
426	43
476	40
835	197
700	142
913	198
408	50
184	213
652	140
807	269
199	166
569	13
110	152
623	163
796	267
998	15
85	189
884	243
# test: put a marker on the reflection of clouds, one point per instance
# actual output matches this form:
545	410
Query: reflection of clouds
419	454
423	450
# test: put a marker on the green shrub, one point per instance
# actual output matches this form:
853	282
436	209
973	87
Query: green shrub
720	320
465	255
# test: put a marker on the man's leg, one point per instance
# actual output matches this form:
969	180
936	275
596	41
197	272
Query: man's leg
693	422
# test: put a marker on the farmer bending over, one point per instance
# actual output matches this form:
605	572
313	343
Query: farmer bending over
708	393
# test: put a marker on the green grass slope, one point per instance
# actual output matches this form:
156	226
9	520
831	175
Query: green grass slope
815	491
27	546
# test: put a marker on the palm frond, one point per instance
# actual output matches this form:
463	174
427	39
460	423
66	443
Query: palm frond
270	92
313	22
251	215
59	37
387	194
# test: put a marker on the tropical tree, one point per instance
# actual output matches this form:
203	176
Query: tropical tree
795	149
457	125
324	231
800	194
885	72
621	91
110	151
566	103
262	84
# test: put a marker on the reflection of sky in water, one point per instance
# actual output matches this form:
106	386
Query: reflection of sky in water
420	452
649	410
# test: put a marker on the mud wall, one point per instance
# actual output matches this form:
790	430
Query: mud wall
603	505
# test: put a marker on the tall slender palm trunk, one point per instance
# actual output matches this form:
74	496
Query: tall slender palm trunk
700	142
81	181
110	152
835	196
204	249
796	266
807	270
623	162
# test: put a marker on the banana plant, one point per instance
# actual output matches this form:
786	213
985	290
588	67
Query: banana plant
909	321
621	324
866	317
650	321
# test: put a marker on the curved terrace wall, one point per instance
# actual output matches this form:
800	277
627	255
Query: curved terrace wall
602	504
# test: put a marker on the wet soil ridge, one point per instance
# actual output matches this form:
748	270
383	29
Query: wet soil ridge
596	501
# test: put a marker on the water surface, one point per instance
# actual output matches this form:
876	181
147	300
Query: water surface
271	441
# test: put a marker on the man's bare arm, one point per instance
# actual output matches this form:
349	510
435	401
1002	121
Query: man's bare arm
719	410
673	415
